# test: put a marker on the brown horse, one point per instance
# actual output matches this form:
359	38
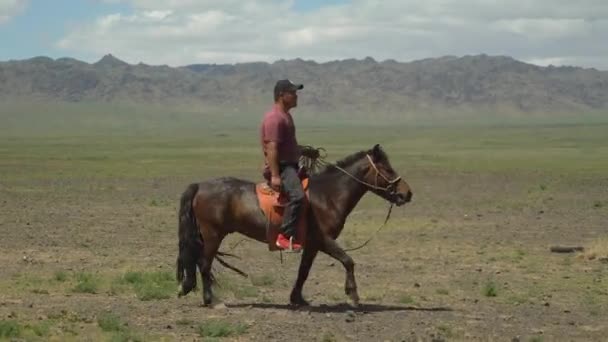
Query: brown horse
211	210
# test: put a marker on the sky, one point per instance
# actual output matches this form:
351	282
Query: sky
181	32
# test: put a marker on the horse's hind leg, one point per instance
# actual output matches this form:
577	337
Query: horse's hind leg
331	248
211	245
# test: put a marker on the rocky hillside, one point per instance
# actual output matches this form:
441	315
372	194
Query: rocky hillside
347	85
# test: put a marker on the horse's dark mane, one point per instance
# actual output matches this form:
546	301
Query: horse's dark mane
349	160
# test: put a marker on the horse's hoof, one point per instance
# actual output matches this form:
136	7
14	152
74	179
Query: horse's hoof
208	300
298	301
299	304
354	297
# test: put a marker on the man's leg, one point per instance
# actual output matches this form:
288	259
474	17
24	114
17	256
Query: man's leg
295	194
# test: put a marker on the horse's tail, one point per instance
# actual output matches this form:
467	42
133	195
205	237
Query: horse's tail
190	242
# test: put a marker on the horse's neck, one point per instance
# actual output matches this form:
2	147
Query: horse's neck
347	192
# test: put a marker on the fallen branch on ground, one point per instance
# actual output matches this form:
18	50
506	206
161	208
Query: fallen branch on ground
564	249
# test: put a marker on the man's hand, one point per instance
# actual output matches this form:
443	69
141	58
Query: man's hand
275	183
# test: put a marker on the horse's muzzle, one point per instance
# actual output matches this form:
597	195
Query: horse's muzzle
401	199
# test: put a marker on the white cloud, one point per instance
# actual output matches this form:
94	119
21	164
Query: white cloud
10	8
545	28
179	32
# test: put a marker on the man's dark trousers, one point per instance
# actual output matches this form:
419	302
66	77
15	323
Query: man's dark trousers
292	187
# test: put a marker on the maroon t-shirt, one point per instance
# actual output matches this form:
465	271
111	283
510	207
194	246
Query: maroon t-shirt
278	126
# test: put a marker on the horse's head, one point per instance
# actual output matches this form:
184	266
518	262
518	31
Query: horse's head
386	182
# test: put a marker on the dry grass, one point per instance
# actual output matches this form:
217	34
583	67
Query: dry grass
597	250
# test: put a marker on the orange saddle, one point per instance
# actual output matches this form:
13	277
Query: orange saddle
273	205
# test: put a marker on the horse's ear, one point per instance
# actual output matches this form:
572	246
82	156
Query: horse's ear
377	152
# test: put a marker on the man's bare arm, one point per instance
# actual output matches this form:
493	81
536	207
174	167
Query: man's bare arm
272	150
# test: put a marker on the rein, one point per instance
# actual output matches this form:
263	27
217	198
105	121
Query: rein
388	215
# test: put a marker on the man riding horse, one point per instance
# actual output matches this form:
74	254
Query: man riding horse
281	156
212	209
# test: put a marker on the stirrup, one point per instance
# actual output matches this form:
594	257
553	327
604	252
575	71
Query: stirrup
291	250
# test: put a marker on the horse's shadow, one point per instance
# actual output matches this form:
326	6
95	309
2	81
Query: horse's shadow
338	308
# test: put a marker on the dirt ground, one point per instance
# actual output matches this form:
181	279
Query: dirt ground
467	260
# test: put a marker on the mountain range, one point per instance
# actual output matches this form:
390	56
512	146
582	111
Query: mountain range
479	82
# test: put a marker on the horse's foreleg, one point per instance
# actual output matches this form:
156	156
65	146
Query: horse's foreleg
308	257
331	248
211	245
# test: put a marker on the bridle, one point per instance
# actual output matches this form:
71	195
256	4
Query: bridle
391	187
390	190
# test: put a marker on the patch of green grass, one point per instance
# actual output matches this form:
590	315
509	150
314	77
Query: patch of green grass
568	260
519	254
108	321
86	283
150	285
118	330
592	301
28	281
238	290
263	280
218	328
9	329
125	336
443	292
242	292
328	337
373	297
70	329
490	289
133	277
184	321
40	291
117	287
446	331
406	299
60	276
155	202
67	316
41	329
536	339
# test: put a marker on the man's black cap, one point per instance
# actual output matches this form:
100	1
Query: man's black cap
286	85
